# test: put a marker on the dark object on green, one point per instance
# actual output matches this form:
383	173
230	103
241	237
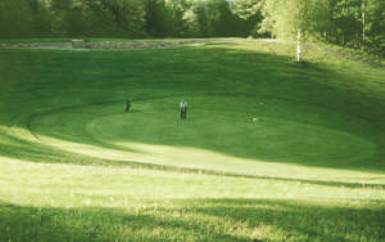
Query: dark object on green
183	109
127	106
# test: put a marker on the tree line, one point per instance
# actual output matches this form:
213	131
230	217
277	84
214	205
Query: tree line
354	23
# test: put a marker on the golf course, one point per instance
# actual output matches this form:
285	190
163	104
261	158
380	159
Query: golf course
271	150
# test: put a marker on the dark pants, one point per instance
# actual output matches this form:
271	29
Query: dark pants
183	114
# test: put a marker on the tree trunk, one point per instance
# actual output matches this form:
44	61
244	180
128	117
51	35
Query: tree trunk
363	18
299	46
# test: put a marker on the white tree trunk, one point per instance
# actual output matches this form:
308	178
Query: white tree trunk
363	18
299	46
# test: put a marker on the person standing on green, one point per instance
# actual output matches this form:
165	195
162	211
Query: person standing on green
183	109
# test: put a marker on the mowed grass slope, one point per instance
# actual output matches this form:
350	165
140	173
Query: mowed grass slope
271	151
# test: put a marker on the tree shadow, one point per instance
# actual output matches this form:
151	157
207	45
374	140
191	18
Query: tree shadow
308	221
197	220
99	224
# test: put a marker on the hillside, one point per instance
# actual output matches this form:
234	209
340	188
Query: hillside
272	150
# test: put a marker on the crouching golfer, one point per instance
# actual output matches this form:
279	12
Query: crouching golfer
183	109
127	105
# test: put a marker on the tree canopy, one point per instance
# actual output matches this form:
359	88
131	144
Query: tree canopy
354	23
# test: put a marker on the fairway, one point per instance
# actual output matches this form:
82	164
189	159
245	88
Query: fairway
271	150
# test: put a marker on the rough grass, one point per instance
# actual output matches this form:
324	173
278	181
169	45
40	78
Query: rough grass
271	151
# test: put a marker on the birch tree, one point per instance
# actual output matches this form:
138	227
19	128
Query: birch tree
294	19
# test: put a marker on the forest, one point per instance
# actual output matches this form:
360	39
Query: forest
351	23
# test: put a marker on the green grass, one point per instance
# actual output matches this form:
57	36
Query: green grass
271	150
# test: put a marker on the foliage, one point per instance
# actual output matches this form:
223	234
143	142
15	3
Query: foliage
352	23
120	18
355	23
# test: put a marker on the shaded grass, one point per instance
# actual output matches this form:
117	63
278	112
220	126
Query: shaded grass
201	220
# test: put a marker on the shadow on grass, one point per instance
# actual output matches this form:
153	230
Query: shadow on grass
97	224
306	221
196	220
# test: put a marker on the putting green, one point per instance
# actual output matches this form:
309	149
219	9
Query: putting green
226	137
